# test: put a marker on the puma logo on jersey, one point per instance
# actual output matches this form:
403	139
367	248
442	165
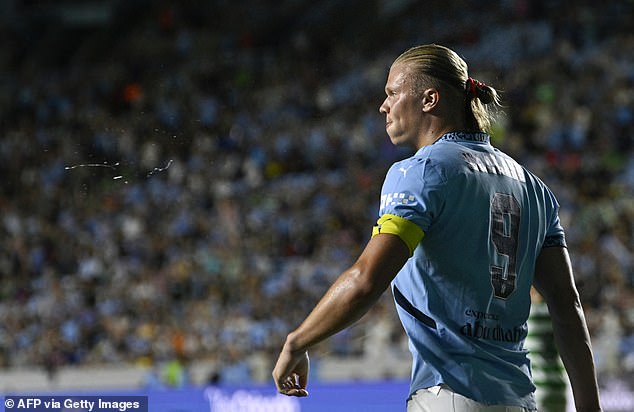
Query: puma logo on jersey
404	170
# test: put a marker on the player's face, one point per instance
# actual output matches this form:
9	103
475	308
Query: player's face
402	108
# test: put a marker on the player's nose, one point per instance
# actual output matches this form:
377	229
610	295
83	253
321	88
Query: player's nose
384	108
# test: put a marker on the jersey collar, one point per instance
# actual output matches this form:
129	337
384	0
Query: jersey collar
466	136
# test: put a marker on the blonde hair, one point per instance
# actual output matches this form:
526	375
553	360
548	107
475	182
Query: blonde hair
432	64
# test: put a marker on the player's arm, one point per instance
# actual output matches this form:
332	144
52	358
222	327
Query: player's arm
353	293
346	301
555	282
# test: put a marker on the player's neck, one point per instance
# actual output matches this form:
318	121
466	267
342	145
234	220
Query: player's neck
437	128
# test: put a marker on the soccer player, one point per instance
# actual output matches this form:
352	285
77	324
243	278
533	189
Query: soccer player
463	232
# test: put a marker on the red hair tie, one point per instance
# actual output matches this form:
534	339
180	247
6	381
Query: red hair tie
473	86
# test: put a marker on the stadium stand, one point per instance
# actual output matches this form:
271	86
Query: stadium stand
176	176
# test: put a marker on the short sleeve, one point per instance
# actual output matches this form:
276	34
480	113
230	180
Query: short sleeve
555	235
411	192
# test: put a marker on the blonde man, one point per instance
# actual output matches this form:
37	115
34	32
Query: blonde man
463	233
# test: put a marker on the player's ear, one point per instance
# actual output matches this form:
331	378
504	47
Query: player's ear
430	99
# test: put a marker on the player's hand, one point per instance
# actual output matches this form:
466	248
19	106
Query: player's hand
291	373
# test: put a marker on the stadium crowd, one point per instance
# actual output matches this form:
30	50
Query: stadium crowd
184	181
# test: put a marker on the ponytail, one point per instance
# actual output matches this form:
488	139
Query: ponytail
480	102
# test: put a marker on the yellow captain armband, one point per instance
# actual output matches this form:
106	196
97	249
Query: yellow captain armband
409	232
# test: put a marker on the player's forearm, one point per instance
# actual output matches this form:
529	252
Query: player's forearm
347	300
353	293
573	343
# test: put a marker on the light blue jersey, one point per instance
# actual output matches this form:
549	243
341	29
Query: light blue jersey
475	222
